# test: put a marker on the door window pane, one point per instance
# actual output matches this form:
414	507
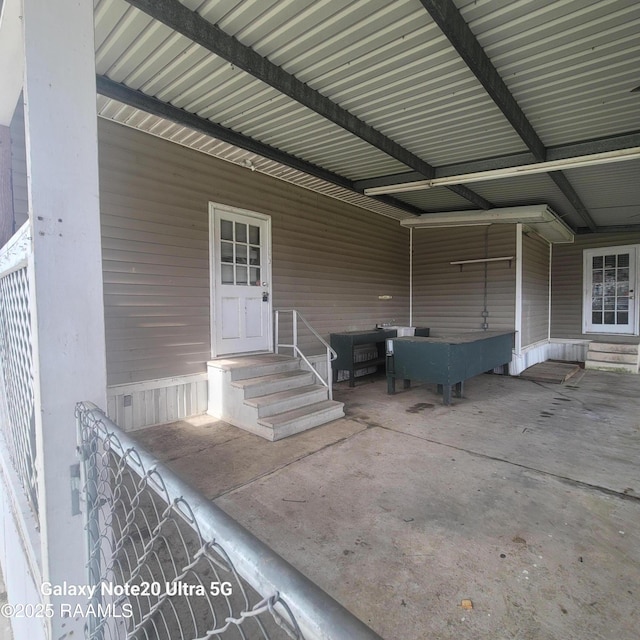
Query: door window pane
623	317
239	247
227	273
609	317
226	252
241	232
226	229
597	262
241	254
241	275
610	261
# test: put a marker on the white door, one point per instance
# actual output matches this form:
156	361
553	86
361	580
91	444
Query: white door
240	270
610	304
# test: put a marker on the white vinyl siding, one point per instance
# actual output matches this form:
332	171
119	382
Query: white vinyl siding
567	282
535	289
331	260
19	168
451	297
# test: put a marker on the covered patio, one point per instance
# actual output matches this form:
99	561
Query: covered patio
521	497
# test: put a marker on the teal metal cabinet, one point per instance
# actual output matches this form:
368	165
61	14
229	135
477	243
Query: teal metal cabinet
343	344
448	360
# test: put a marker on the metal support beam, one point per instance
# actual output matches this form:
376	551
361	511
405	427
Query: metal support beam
447	16
470	195
148	104
570	193
560	152
620	228
190	24
180	18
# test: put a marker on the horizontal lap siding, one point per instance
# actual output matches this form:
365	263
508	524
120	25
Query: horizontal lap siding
535	289
567	282
19	168
331	261
446	297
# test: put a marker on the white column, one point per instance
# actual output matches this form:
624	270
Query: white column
66	270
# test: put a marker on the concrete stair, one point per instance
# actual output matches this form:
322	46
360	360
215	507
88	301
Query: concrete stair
270	395
611	356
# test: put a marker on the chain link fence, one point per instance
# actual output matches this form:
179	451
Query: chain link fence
17	416
168	564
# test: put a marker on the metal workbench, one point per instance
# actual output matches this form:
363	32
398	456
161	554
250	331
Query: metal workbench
447	360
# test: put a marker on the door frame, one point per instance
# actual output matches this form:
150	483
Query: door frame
217	206
587	255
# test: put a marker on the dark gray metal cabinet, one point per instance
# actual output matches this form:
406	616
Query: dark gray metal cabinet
343	344
448	360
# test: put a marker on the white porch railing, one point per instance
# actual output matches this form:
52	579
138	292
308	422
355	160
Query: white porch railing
17	417
329	352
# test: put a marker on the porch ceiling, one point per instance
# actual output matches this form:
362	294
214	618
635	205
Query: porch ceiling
334	96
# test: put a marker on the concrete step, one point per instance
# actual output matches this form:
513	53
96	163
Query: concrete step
266	384
290	422
612	347
619	367
242	368
605	356
288	400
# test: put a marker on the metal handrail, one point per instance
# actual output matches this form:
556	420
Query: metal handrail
330	353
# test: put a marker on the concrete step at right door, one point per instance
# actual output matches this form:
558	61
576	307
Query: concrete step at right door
612	347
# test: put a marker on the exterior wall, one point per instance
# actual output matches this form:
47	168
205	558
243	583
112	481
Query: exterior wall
535	289
142	404
331	260
567	282
19	168
448	298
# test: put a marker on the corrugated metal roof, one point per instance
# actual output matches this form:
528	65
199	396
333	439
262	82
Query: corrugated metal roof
612	191
570	64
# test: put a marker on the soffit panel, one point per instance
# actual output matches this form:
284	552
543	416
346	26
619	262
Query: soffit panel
153	125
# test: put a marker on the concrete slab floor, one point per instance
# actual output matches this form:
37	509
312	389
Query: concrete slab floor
521	497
